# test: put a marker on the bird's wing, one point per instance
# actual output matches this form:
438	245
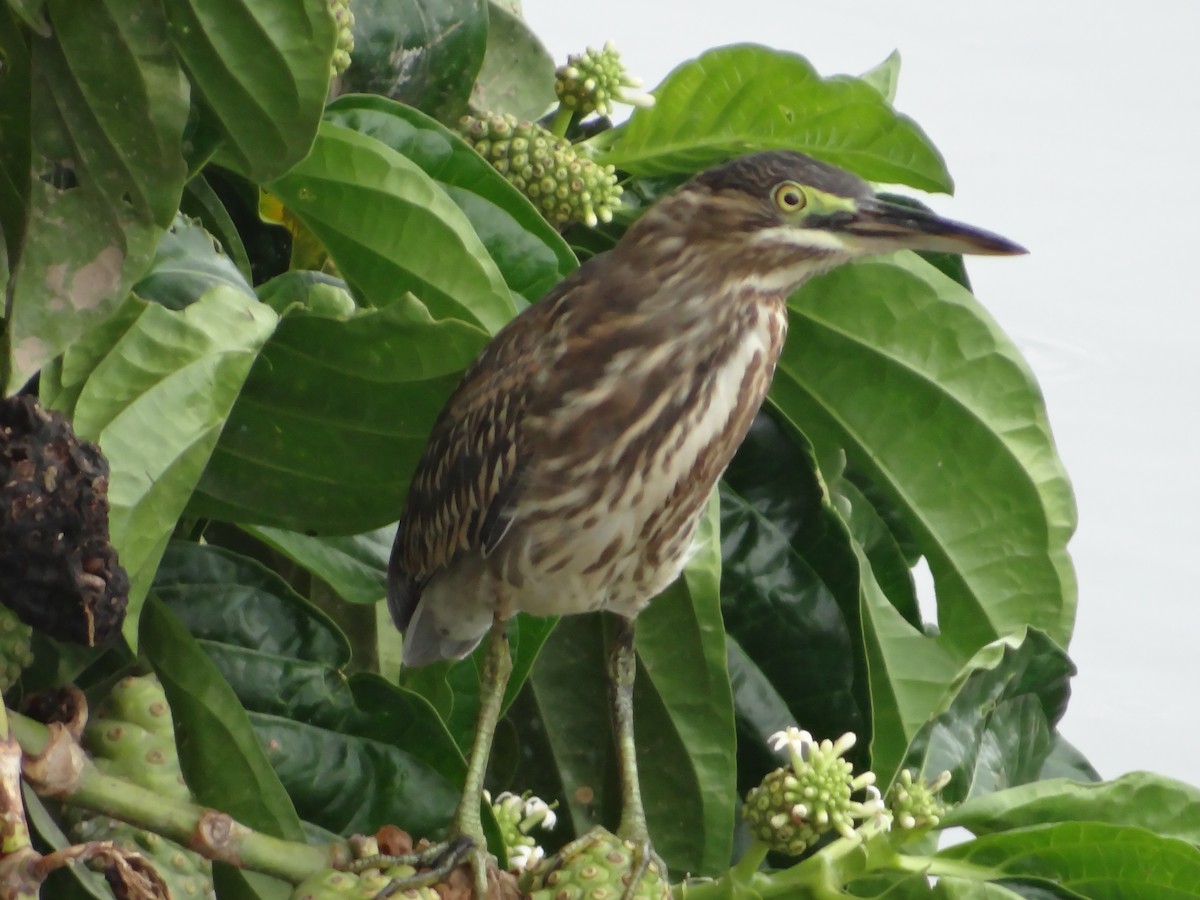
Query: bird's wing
464	488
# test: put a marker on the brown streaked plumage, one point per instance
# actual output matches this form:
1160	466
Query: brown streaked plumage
569	469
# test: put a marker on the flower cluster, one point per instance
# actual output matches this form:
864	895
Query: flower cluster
562	182
914	803
796	805
595	79
517	816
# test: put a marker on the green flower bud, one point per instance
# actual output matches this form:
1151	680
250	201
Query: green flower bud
565	185
595	79
914	803
344	19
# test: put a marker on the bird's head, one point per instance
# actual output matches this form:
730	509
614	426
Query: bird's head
781	217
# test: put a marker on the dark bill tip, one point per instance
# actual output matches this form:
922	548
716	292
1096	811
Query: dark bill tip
910	228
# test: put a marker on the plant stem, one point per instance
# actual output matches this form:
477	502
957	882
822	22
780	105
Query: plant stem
208	832
562	121
824	874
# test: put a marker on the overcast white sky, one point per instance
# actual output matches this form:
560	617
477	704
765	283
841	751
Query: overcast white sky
1073	128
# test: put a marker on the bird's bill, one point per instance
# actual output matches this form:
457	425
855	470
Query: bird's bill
892	226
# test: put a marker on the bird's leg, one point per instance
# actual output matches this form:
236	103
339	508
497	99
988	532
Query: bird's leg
622	671
467	838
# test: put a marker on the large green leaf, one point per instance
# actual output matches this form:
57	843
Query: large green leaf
107	175
994	727
332	419
355	566
425	53
1159	804
391	229
283	659
260	71
790	587
1098	861
15	136
740	98
517	75
153	387
688	714
186	265
222	760
910	672
231	599
530	254
900	367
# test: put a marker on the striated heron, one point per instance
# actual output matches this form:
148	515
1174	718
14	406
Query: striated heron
568	471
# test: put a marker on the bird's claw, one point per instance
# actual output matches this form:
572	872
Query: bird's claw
644	858
435	864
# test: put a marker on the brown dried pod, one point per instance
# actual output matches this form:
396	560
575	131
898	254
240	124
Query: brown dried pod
58	569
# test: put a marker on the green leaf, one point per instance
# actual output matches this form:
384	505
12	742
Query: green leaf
200	201
530	254
790	586
391	229
354	566
1169	808
688	714
314	292
173	375
517	75
333	418
898	366
15	135
187	264
1099	861
425	53
885	76
222	760
994	727
221	596
282	657
740	98
107	176
260	72
910	672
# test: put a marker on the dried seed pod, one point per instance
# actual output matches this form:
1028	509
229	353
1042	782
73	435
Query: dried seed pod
58	569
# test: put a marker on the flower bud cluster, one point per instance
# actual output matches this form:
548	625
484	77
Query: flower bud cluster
595	79
344	19
914	803
517	816
563	183
794	806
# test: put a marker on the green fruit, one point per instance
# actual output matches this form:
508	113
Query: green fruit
131	736
564	184
332	884
15	653
597	866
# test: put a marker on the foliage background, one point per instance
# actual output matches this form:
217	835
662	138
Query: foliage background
283	408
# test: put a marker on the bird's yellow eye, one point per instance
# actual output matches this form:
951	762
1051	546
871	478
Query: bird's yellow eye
790	197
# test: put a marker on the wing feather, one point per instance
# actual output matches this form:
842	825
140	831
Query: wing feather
468	480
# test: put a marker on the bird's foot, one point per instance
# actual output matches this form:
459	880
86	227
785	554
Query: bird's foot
600	859
644	862
434	864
